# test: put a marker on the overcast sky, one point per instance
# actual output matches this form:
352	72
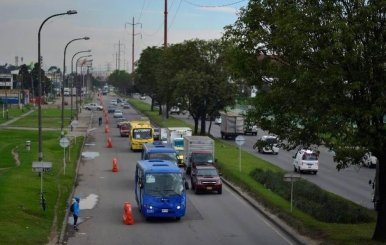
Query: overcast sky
108	24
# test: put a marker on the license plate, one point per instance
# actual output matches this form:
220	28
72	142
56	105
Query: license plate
164	211
209	187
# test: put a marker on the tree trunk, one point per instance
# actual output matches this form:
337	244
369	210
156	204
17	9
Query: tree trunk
203	126
380	200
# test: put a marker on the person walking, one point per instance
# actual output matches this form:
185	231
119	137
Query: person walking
75	211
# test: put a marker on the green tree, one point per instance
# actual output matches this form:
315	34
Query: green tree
326	64
147	72
121	80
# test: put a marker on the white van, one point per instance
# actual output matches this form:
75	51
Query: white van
306	160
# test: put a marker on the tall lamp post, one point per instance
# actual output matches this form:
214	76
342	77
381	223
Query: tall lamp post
76	72
64	75
40	154
72	78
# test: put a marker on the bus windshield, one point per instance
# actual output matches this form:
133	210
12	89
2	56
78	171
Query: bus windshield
142	133
164	184
172	157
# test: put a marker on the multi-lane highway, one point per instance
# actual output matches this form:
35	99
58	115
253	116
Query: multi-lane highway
210	218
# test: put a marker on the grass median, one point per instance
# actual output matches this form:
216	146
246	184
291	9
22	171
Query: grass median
22	219
227	156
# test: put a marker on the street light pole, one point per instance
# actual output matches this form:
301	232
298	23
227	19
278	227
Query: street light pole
76	72
72	79
40	154
64	75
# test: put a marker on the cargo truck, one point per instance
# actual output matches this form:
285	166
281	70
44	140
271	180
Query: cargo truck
199	150
232	125
174	137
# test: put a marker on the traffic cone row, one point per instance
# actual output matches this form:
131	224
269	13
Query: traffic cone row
107	129
127	214
115	165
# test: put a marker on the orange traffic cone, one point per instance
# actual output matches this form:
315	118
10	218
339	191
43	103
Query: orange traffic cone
127	214
109	143
107	130
115	165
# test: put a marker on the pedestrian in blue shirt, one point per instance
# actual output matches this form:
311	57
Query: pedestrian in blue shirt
75	211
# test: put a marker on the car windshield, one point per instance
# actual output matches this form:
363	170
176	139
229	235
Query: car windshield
202	158
142	133
164	184
207	172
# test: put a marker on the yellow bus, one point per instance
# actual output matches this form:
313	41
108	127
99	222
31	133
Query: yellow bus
140	132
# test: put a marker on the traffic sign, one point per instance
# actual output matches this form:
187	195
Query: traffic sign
64	142
240	140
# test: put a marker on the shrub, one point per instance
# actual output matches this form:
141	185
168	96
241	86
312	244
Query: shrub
311	199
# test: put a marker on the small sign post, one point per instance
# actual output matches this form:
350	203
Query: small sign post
240	140
290	177
64	143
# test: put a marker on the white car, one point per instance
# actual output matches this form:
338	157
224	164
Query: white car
113	102
267	144
174	110
369	160
306	160
118	114
93	107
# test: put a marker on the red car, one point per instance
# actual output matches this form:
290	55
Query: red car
124	130
205	178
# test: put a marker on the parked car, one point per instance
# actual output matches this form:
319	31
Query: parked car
306	160
93	106
118	114
143	97
205	178
267	144
113	102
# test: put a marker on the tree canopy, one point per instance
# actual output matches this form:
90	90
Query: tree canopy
325	61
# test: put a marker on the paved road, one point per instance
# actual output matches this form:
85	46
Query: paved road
210	219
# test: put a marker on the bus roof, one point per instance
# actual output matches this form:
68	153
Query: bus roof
158	147
158	166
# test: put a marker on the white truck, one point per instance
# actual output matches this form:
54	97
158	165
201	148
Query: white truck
199	150
232	125
175	137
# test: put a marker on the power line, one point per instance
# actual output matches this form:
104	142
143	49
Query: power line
175	14
143	6
214	6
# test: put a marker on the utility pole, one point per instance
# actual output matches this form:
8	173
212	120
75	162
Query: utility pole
166	25
132	44
118	57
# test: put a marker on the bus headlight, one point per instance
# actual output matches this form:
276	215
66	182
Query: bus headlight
178	207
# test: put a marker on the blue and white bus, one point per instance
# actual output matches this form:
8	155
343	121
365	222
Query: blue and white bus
160	189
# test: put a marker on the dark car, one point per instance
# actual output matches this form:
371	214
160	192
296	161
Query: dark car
206	178
111	109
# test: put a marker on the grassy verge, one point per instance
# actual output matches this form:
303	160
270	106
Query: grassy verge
227	156
22	219
13	112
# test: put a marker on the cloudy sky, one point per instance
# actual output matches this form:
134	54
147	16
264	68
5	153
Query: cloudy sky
108	23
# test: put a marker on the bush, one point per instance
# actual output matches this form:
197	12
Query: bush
311	199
